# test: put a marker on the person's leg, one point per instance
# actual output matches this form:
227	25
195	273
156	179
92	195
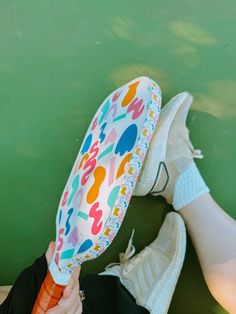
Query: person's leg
213	234
179	181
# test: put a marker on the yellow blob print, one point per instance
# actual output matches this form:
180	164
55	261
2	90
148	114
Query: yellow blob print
107	232
87	256
145	132
151	114
86	156
121	169
130	171
97	247
116	211
137	151
130	94
155	97
123	190
99	176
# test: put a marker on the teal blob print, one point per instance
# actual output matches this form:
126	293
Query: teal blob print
75	186
60	216
112	196
67	254
104	111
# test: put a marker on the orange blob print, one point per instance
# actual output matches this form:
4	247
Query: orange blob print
130	94
121	169
85	158
99	176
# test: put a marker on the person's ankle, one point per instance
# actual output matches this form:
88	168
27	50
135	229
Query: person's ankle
180	182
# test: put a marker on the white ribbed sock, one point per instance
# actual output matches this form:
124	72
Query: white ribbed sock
189	184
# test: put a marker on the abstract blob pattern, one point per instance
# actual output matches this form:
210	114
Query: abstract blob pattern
99	188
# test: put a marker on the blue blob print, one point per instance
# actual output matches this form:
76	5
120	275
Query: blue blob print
102	135
85	246
87	143
127	140
70	212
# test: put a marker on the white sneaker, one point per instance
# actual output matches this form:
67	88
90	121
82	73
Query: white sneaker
151	275
170	142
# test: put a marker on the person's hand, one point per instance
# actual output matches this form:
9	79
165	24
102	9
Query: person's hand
70	302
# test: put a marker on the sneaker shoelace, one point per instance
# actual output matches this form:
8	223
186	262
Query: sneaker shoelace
193	153
124	256
135	260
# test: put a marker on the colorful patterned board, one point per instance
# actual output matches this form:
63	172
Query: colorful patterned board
99	188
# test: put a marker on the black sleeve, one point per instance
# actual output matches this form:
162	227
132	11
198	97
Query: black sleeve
104	294
22	296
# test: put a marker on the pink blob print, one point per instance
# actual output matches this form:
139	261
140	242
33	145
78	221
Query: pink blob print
65	198
91	162
111	137
95	123
112	170
116	96
96	215
136	107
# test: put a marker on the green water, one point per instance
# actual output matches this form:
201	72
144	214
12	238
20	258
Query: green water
58	61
